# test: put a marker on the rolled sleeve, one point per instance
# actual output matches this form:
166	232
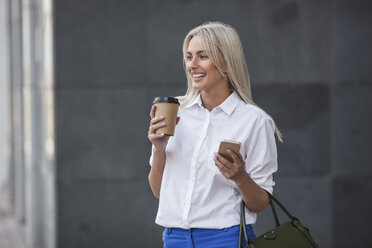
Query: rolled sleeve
261	161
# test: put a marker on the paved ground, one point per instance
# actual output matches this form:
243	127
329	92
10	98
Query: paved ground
11	232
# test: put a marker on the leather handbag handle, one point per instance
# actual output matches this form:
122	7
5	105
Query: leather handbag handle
277	223
272	198
243	227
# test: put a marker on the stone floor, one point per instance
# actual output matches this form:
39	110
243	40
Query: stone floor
11	231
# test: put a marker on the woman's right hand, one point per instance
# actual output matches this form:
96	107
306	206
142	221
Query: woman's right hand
159	141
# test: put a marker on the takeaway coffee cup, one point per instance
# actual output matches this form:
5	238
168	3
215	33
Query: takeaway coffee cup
168	107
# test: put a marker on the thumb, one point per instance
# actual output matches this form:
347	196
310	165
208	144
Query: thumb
178	119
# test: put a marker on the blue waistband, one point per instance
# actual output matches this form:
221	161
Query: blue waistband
202	231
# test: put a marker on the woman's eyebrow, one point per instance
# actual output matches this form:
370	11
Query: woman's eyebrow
200	51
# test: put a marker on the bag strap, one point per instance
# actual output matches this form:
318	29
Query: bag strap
272	198
277	223
243	227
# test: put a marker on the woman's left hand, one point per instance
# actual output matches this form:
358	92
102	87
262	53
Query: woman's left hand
231	170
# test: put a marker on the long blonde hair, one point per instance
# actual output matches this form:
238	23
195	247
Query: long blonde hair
219	39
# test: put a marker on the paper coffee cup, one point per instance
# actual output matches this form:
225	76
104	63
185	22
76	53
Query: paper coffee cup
168	107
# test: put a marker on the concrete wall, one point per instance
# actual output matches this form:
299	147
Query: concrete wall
4	96
16	144
310	67
31	141
38	122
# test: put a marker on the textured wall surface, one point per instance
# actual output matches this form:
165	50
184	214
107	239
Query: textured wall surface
4	98
309	63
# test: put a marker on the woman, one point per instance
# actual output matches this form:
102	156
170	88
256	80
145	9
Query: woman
199	190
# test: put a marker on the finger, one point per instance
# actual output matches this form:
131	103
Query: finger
241	157
154	136
234	155
178	119
223	160
152	112
238	154
153	128
219	158
219	164
156	119
226	172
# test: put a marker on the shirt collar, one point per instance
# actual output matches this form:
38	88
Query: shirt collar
230	103
227	106
197	100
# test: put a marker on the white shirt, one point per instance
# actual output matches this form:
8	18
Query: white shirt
194	193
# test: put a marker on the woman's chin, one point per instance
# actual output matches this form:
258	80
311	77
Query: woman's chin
197	85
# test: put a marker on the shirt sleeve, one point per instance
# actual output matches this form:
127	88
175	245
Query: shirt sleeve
261	160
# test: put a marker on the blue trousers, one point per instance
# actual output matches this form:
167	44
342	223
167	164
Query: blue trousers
204	238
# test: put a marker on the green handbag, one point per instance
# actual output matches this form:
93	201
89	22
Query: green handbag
291	234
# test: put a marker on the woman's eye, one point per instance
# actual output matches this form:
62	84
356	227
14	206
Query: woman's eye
203	56
188	57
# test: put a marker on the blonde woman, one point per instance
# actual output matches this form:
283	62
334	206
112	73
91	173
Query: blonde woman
199	190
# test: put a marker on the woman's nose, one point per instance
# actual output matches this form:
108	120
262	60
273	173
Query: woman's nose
192	64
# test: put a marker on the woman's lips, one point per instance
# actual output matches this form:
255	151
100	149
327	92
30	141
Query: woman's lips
198	76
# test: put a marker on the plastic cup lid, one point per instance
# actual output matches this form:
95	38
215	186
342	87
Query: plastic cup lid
167	99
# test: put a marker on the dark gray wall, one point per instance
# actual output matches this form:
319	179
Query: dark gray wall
309	63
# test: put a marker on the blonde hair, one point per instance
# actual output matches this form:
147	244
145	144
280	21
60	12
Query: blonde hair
221	40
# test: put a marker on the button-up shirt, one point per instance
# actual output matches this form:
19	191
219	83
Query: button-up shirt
194	193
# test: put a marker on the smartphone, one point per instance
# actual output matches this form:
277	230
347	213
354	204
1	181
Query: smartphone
232	145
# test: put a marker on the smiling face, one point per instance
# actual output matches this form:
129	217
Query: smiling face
203	72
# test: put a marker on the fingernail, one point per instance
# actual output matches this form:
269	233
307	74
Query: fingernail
214	157
162	134
228	150
161	117
163	124
216	154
